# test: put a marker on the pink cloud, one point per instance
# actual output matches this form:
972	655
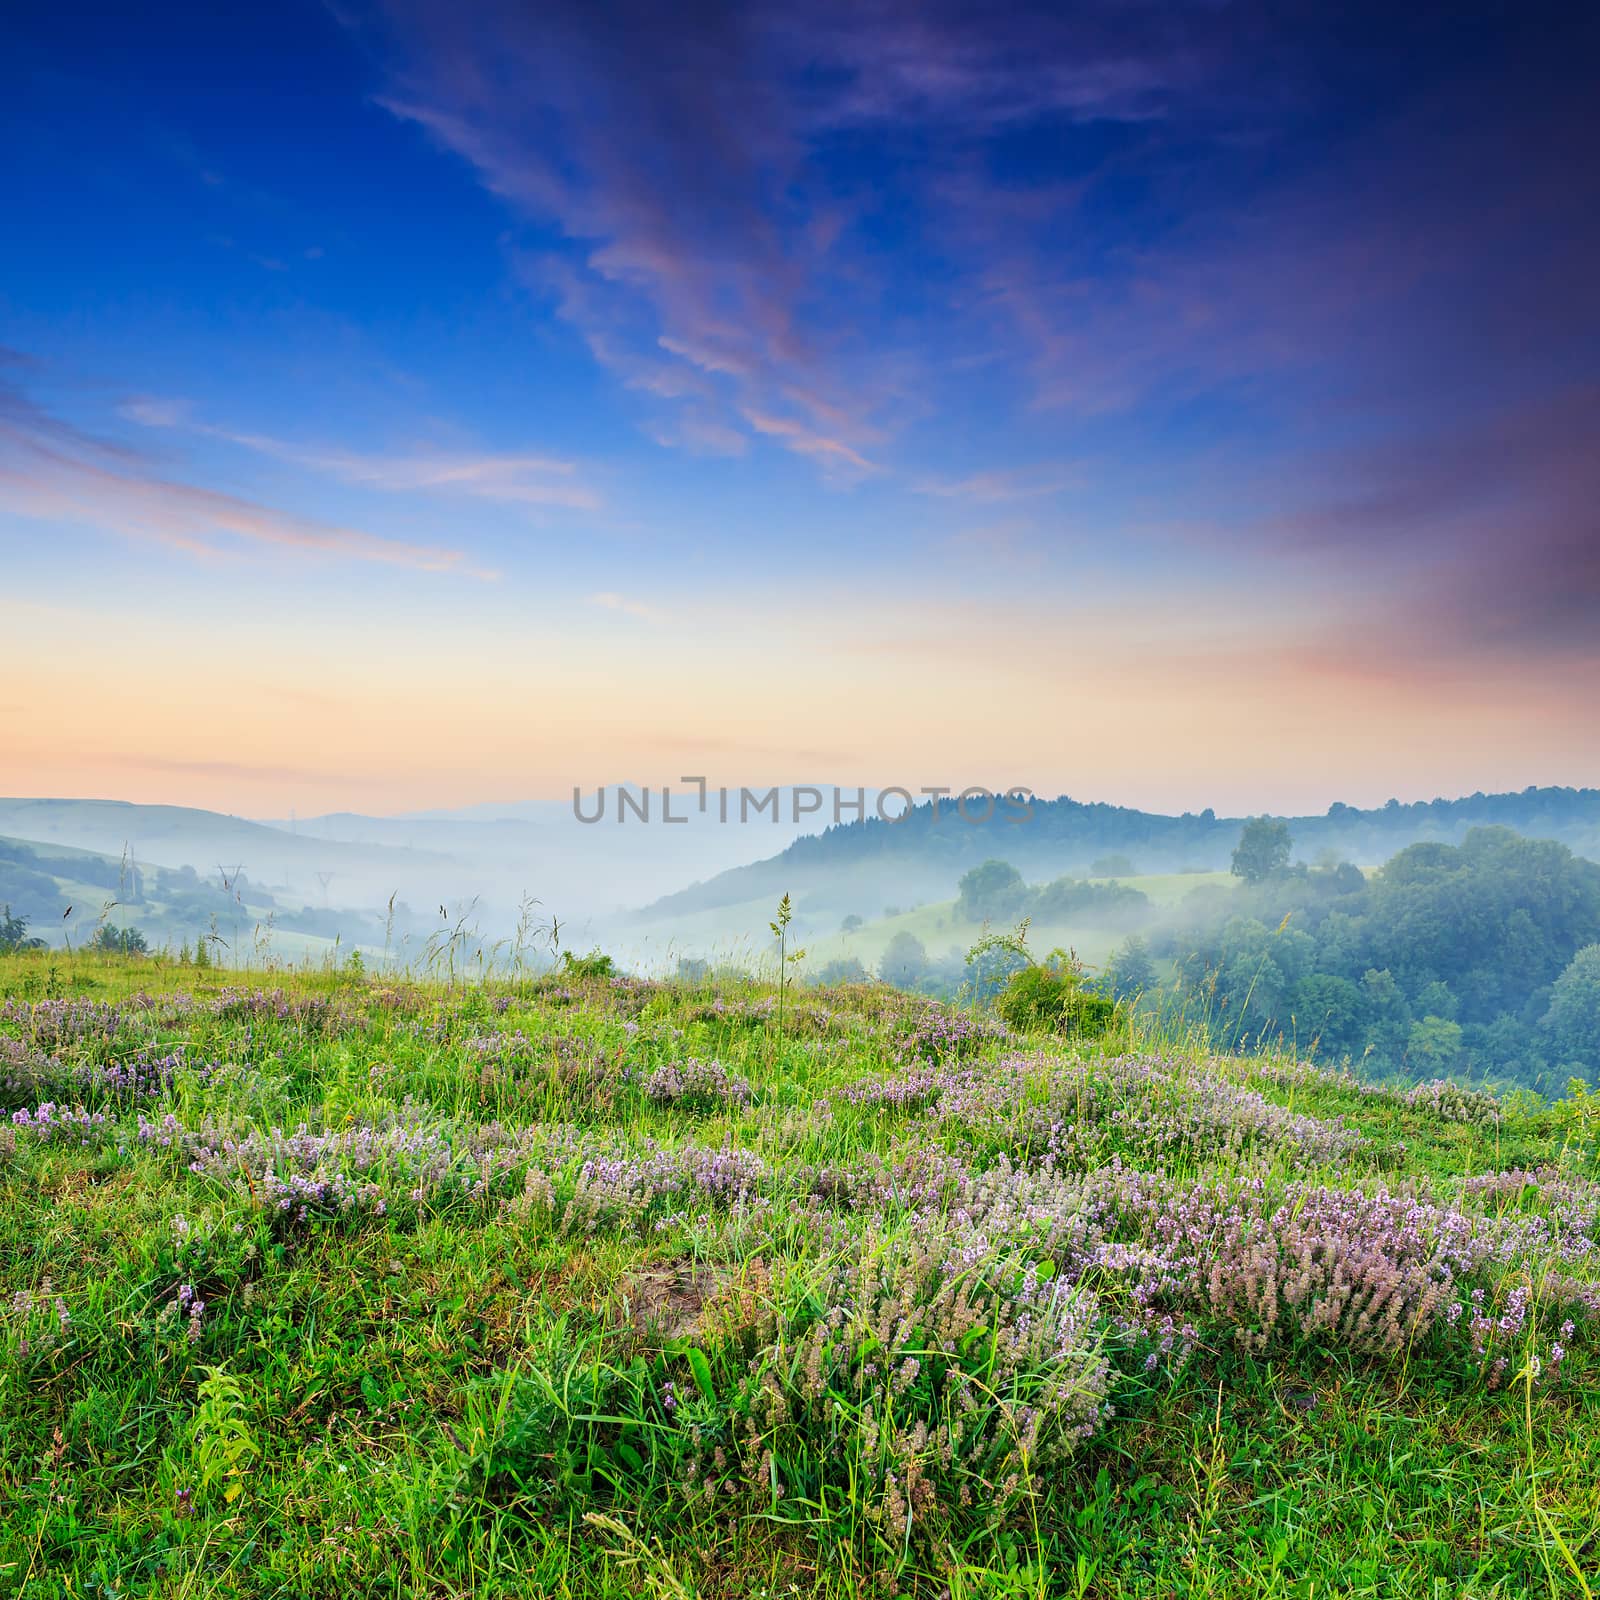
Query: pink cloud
53	471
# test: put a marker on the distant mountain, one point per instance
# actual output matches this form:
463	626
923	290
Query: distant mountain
577	869
862	866
294	865
480	861
66	894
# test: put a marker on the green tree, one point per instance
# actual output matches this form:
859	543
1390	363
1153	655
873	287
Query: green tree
1131	971
1572	1022
904	961
1388	1016
1113	866
851	924
14	933
1327	1010
992	892
842	969
120	941
1263	849
1434	1044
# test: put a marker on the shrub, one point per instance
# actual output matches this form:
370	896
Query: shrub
596	965
1051	996
923	1374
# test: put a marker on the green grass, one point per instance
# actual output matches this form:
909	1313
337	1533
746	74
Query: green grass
464	1392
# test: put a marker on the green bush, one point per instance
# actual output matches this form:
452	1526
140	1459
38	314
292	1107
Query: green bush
1051	997
594	965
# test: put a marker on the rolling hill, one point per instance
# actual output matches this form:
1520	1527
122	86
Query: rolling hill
864	867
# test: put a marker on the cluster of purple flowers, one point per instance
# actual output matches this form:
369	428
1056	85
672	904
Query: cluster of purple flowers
35	1323
52	1025
696	1085
1043	1107
1449	1102
939	1033
144	1074
310	1013
911	1089
940	1362
625	1190
500	1047
53	1124
26	1070
187	1303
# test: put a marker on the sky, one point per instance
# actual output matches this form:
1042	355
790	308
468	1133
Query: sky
423	404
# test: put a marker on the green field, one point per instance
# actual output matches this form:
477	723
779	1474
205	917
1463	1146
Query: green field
736	935
321	1285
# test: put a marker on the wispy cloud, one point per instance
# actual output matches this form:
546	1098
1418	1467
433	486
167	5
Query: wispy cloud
731	244
698	250
633	608
700	436
151	411
1488	531
836	458
998	486
53	470
523	479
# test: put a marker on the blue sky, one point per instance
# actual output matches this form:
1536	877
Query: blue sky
1176	405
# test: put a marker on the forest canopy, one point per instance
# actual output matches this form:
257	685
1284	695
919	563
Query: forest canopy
1471	960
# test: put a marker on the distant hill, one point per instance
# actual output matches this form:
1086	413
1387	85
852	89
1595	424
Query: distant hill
178	836
483	861
66	894
863	866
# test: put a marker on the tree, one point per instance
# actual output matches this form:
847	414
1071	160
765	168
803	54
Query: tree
992	892
119	941
1131	969
1263	850
904	961
1388	1016
1328	1013
1113	866
842	969
1435	1000
1434	1043
14	933
1573	1021
850	924
1349	878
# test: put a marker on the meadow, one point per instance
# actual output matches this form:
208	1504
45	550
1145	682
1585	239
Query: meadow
721	936
336	1283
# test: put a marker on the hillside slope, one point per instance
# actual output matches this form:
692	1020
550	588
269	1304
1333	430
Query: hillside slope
601	1288
860	866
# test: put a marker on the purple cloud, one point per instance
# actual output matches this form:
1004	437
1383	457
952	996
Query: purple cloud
51	469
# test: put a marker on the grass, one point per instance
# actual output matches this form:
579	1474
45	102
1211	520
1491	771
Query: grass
612	1288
